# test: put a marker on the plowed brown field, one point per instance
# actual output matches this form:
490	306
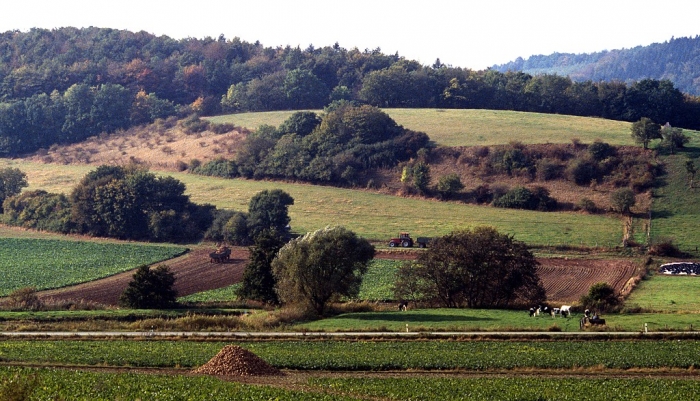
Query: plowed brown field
565	280
193	272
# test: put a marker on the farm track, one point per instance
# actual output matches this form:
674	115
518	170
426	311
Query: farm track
565	280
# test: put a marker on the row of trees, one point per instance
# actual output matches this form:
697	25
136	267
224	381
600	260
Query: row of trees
63	85
133	203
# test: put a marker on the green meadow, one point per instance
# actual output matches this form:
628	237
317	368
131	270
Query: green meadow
469	127
374	216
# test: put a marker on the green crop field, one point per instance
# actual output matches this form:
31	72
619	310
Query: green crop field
44	264
365	355
514	389
468	127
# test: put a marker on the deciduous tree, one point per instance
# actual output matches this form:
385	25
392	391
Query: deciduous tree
644	131
12	180
475	268
321	266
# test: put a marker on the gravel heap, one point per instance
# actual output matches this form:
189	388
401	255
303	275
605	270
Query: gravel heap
233	360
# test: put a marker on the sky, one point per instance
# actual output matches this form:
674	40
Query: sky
467	33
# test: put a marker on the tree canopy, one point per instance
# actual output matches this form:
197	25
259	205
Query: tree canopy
475	268
150	289
321	266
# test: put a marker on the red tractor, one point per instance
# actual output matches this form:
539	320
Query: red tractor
404	240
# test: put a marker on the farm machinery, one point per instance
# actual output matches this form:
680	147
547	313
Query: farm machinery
404	240
221	255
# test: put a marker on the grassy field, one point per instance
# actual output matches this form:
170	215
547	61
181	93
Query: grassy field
668	294
493	320
371	215
451	127
675	208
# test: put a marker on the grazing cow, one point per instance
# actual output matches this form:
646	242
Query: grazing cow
545	310
532	311
403	305
556	311
565	310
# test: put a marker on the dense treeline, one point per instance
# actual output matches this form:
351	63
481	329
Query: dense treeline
340	147
63	85
677	60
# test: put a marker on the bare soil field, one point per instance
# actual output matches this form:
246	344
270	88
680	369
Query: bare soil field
194	272
565	280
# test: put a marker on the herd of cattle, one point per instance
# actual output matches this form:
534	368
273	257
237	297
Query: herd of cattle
563	311
680	268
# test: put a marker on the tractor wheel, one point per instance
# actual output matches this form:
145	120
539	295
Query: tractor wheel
391	245
405	244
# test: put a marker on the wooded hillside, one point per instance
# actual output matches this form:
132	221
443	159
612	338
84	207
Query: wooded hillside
65	85
677	60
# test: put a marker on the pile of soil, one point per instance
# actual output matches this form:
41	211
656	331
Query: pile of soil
233	360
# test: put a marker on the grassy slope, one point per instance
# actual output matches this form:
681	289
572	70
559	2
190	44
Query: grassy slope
676	209
371	215
478	127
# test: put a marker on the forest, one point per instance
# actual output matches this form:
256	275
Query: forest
64	85
677	60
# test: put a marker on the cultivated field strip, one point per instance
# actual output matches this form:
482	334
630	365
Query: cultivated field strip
566	280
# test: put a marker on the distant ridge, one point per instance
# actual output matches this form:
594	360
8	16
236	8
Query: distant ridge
677	60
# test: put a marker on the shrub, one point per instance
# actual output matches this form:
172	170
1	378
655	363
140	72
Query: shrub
150	289
548	169
221	128
587	205
218	168
600	150
181	166
665	247
523	198
601	297
24	299
622	200
449	185
193	124
582	171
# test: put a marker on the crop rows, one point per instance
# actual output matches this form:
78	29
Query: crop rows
54	384
367	355
45	264
532	388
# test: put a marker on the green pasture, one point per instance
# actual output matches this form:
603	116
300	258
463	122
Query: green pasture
667	294
469	127
374	216
365	355
45	263
425	320
675	207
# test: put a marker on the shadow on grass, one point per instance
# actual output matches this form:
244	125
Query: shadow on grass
410	317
